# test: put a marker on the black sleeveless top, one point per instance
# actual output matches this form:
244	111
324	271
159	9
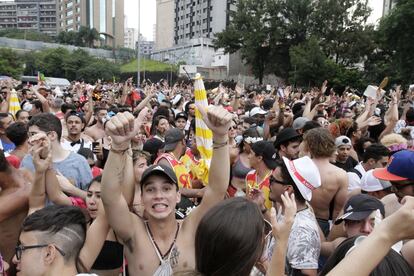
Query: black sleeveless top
110	257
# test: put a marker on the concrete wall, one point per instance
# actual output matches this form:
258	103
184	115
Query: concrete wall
27	46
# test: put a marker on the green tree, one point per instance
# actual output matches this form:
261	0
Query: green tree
99	69
290	26
397	38
310	66
342	28
25	34
248	33
10	63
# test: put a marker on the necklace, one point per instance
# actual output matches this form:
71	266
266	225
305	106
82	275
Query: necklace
156	245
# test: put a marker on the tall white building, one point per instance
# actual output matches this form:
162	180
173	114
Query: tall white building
131	37
194	24
164	33
388	6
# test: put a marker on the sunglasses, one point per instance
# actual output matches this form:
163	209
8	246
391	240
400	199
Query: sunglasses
233	127
20	248
272	179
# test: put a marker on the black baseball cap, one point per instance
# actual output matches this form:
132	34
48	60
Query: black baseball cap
359	207
172	137
161	170
181	115
153	145
266	150
286	135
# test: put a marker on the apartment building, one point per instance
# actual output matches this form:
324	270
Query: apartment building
31	15
106	16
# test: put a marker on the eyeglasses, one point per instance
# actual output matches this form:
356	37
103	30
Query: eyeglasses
272	179
20	248
233	127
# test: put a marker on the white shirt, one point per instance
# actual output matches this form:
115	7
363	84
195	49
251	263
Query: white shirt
354	182
75	148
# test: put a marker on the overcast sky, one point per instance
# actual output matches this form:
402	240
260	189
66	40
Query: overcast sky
148	15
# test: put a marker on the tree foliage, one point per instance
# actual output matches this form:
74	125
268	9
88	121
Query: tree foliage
299	39
84	37
397	39
10	63
25	34
74	65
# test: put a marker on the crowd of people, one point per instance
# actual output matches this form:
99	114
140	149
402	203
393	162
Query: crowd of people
110	179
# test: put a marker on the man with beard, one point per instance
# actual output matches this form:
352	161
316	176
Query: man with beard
287	143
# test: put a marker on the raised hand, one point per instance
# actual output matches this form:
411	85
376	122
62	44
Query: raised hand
40	140
217	119
324	87
121	128
374	120
400	225
41	164
281	230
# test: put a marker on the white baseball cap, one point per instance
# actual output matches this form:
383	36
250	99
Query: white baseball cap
257	110
369	183
305	174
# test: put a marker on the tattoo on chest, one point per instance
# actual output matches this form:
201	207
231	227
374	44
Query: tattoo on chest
174	257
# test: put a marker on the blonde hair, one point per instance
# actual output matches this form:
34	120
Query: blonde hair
393	139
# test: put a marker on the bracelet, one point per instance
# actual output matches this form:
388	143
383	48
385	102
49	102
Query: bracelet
219	145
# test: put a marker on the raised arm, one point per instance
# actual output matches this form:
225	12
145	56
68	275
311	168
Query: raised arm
218	120
121	129
41	147
281	231
89	112
398	226
95	239
53	190
43	100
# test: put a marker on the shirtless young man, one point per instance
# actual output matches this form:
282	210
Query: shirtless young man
319	144
14	199
170	238
97	131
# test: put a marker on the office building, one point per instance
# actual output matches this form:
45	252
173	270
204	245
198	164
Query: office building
194	24
106	16
130	38
388	6
30	15
146	48
164	30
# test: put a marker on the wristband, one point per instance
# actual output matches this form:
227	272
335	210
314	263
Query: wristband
219	145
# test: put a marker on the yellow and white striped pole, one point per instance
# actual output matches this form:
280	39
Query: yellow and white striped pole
14	104
204	136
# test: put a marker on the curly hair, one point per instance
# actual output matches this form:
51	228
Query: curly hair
343	127
320	142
